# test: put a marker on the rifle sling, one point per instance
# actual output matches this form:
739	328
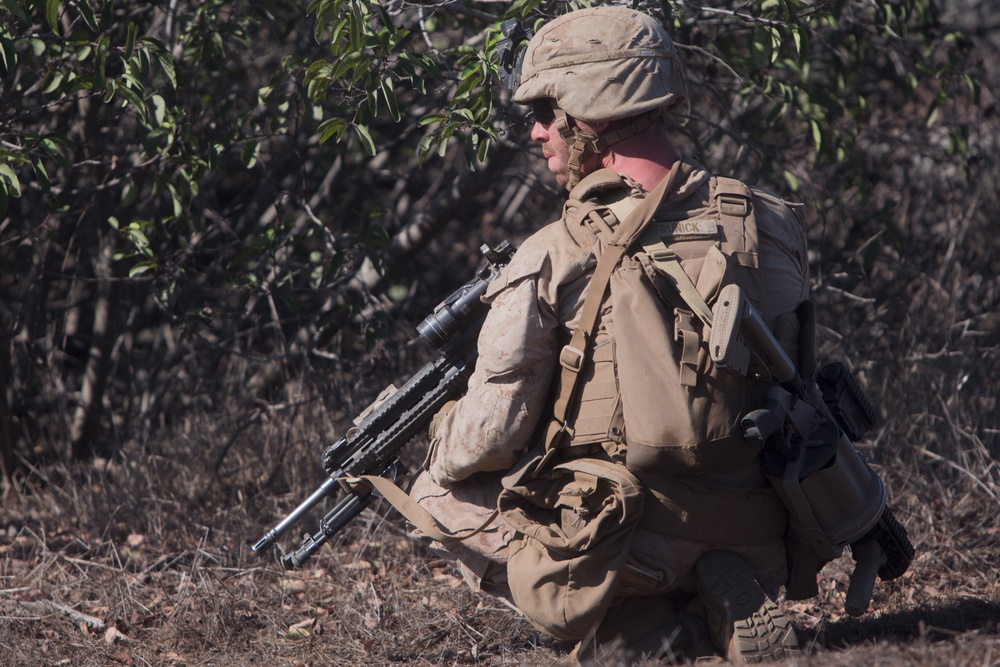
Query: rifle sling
413	512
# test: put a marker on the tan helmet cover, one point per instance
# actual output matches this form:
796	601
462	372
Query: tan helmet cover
602	63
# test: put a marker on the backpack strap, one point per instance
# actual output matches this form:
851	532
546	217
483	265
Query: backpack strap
669	262
574	354
732	197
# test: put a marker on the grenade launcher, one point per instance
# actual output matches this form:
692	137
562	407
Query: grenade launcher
372	446
805	433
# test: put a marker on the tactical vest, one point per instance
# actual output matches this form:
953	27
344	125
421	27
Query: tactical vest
649	389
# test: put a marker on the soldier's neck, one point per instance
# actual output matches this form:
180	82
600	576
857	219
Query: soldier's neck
646	157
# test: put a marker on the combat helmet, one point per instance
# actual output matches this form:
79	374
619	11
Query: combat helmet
597	64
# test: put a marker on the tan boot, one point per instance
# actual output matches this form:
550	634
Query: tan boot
745	625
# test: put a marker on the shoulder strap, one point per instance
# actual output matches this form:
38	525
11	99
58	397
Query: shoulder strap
667	261
573	355
733	201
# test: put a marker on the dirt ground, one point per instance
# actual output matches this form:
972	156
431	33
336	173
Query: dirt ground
197	596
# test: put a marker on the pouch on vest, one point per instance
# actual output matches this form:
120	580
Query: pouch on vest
681	415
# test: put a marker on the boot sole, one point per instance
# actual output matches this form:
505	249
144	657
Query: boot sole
745	625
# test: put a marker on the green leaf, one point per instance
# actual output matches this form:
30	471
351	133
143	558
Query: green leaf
332	127
159	108
483	149
15	8
762	48
141	267
130	40
8	51
7	175
432	118
51	82
52	14
163	57
41	175
130	193
792	180
934	109
389	93
102	57
248	156
798	41
366	138
817	133
973	86
87	12
3	200
470	79
132	98
424	147
175	199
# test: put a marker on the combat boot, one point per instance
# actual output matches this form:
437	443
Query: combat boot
745	625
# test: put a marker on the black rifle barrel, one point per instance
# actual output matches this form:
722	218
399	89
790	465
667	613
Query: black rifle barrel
326	489
345	511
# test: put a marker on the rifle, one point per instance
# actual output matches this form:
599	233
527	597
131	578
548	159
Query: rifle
372	446
805	432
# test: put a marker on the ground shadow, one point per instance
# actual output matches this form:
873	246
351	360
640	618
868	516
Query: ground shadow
933	622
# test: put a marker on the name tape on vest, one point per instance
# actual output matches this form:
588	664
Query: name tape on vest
687	229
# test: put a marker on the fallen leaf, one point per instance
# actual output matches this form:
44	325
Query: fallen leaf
300	630
112	635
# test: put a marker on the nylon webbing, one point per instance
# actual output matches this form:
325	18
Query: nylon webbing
413	512
667	261
574	354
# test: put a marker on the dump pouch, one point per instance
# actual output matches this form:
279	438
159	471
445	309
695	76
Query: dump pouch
575	523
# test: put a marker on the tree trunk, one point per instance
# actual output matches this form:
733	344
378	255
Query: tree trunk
6	446
87	418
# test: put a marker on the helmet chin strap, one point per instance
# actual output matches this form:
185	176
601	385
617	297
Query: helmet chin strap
583	144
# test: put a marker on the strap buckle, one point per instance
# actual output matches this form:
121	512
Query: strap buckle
571	358
733	204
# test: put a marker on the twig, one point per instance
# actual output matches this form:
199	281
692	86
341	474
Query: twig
978	482
39	609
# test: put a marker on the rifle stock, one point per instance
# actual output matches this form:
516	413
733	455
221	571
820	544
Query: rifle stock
372	446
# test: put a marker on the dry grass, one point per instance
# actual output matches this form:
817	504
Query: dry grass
146	562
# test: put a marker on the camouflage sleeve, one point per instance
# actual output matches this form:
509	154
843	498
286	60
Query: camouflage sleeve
488	428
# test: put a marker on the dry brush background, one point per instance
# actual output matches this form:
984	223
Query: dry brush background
145	560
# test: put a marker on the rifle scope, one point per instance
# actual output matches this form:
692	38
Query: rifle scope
465	303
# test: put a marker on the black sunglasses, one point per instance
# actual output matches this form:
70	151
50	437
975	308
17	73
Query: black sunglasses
543	111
